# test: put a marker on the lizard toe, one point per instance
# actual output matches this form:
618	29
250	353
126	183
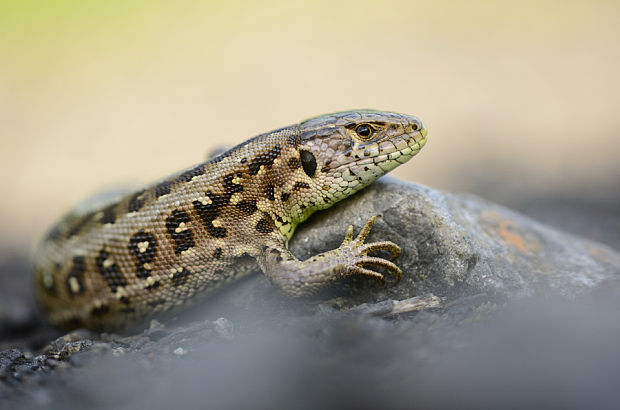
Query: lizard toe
358	270
391	247
394	270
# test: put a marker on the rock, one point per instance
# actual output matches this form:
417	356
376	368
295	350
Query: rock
456	245
466	262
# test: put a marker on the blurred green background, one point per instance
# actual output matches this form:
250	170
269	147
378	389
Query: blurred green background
100	94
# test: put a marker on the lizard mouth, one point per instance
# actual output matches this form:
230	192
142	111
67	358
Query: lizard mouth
382	157
373	161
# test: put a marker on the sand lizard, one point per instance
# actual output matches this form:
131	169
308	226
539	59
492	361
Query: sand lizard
112	264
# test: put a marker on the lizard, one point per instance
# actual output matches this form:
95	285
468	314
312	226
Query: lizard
120	261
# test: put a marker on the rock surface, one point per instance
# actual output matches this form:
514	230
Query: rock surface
459	244
464	326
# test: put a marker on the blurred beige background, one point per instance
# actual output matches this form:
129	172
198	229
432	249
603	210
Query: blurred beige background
95	95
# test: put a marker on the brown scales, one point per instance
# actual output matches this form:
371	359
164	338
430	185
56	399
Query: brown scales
186	235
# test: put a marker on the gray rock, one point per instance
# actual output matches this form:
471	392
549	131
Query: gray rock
473	273
457	244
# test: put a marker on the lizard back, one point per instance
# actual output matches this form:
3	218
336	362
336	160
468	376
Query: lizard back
177	239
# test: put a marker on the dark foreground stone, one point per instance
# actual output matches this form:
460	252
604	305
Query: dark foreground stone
494	310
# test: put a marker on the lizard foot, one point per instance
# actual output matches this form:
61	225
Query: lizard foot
357	254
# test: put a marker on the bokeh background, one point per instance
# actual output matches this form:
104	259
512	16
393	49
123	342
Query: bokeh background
519	97
522	102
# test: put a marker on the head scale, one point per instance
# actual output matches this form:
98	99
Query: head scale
344	152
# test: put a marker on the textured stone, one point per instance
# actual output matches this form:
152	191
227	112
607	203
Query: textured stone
459	244
464	327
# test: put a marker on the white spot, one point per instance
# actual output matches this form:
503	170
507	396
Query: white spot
182	227
74	285
206	201
120	292
143	246
236	198
147	266
187	252
48	280
107	263
217	223
150	280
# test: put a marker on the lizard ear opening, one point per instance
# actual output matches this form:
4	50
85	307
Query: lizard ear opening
308	162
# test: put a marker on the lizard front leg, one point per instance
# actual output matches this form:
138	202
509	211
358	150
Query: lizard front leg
299	278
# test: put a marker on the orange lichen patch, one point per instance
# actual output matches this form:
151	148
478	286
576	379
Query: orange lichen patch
602	254
505	229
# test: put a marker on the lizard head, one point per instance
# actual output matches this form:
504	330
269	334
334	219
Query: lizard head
345	152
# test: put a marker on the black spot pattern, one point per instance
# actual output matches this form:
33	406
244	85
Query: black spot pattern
181	277
100	310
54	234
155	285
163	188
269	192
295	139
218	253
184	239
78	268
265	225
111	273
209	212
266	159
294	163
77	226
248	207
230	187
145	257
300	185
109	214
285	196
135	202
190	174
308	162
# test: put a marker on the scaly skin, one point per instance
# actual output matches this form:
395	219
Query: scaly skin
111	264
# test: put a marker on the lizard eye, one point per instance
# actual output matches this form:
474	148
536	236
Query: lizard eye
364	130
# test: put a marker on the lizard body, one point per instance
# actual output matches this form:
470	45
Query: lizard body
112	264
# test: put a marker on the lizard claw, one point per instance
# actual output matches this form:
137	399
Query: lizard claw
348	235
389	266
358	251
